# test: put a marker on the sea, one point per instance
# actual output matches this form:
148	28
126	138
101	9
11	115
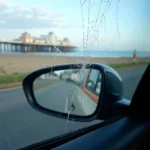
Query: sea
91	53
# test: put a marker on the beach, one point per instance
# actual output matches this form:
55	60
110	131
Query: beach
24	63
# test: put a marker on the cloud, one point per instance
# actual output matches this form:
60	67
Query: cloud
19	17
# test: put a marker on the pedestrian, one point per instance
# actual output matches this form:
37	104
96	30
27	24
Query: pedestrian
134	57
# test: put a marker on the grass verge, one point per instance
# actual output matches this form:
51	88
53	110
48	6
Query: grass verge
15	79
127	65
12	78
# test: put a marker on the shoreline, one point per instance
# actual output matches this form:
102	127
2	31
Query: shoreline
69	56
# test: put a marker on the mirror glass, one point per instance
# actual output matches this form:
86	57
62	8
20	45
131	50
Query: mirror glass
72	91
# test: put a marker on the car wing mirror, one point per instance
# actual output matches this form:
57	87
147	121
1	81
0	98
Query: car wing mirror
75	91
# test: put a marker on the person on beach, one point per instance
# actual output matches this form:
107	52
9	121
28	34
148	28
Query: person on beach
134	57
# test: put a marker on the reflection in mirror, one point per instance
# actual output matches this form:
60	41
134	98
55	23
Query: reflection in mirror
70	91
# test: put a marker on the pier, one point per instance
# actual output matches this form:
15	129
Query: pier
19	46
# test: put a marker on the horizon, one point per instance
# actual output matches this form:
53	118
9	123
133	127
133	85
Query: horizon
125	26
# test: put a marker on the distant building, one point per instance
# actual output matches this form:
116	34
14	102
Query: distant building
38	40
59	42
66	41
44	37
26	38
50	38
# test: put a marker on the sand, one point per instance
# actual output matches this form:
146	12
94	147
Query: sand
28	62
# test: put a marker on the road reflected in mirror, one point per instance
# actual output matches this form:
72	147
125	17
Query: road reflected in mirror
70	91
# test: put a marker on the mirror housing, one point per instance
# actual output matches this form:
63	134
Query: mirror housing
110	104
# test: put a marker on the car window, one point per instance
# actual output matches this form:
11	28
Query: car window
36	34
93	81
98	85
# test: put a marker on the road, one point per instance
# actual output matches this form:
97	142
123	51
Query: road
65	97
21	125
52	96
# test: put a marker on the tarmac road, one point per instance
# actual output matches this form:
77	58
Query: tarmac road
21	125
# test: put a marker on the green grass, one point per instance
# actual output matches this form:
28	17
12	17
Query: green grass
12	78
125	65
18	77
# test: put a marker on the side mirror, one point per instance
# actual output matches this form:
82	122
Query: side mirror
76	91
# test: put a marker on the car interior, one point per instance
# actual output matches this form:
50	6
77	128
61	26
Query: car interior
129	132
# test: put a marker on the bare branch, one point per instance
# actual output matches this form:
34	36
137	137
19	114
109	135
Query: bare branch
101	21
82	21
118	33
92	4
88	23
83	3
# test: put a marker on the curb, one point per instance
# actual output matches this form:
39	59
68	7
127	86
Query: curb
10	89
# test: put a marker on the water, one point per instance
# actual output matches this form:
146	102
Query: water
91	53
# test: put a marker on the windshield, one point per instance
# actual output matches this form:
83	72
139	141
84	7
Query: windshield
42	33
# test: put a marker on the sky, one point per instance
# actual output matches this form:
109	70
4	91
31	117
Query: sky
90	24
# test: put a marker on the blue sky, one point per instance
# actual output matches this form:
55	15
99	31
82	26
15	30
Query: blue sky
125	25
